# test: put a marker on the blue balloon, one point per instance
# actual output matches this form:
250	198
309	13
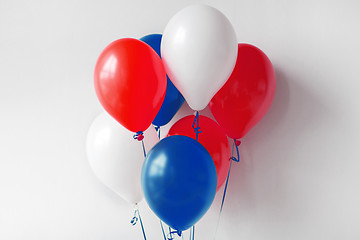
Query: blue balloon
179	181
173	98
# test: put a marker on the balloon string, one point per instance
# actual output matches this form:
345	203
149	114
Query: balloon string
143	146
135	219
236	143
192	232
157	129
140	137
197	131
162	229
197	128
142	226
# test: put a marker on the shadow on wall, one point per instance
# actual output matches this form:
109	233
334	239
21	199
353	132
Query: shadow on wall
259	187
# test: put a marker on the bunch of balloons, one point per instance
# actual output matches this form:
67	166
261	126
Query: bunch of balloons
144	82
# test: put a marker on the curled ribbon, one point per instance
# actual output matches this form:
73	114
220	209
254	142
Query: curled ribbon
135	219
236	145
170	235
197	128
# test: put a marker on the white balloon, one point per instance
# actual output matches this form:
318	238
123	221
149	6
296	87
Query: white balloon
199	51
116	158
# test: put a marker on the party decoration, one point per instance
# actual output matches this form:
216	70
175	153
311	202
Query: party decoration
173	98
212	137
247	95
130	82
116	158
179	181
206	66
199	49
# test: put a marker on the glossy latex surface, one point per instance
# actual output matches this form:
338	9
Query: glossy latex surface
173	98
130	82
212	137
199	49
247	95
116	158
179	181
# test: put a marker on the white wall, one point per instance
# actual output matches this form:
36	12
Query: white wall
300	172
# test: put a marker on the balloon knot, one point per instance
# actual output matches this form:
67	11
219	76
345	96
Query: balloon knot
237	142
170	235
157	129
139	136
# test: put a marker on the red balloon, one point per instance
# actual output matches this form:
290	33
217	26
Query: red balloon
212	137
248	93
130	82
